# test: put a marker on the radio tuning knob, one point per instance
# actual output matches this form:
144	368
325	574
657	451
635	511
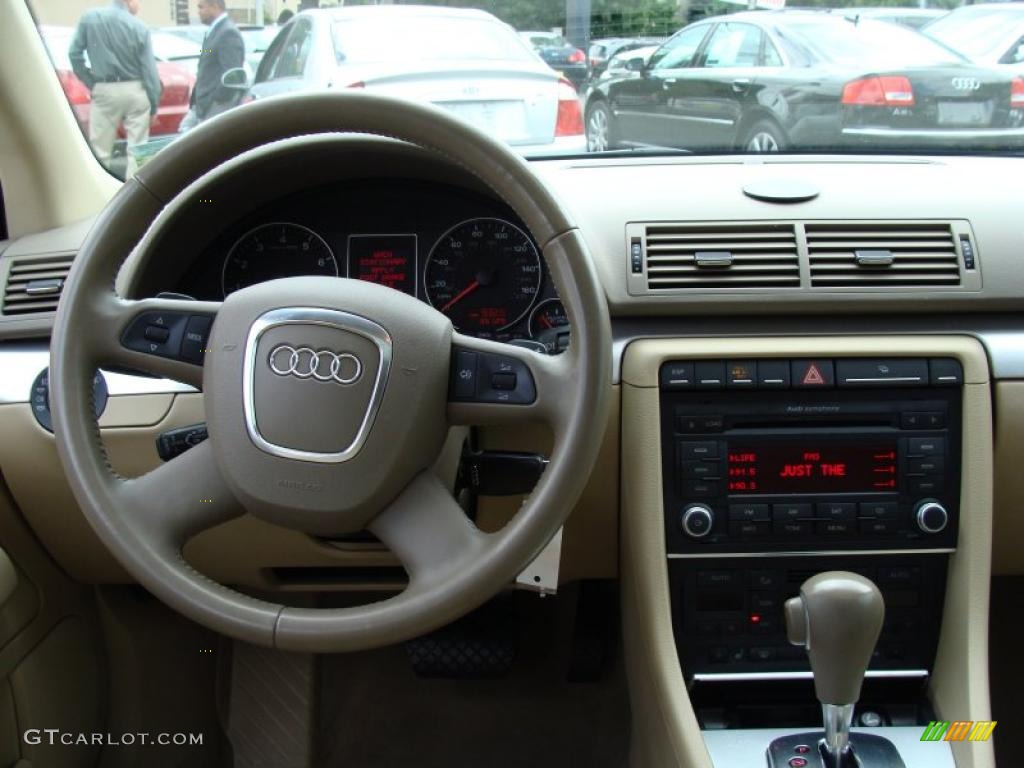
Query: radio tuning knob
931	517
697	521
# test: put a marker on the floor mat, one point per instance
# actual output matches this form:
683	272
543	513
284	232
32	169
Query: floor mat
376	713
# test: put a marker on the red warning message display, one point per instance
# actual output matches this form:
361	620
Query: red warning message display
809	468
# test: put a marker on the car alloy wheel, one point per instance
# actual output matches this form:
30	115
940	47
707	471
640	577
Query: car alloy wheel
598	128
762	142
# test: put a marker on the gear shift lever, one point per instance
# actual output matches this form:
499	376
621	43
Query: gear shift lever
837	617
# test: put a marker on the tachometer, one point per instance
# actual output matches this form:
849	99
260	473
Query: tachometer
276	250
484	274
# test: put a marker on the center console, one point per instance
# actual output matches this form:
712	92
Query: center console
771	464
752	465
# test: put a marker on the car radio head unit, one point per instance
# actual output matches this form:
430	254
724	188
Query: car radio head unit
810	455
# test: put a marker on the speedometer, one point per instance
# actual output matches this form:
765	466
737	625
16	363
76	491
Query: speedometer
276	250
484	274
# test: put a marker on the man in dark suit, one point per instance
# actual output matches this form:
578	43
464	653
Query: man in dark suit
223	49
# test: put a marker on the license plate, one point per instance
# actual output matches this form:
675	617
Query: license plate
506	119
969	113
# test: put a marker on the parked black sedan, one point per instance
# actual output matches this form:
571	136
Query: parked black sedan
804	80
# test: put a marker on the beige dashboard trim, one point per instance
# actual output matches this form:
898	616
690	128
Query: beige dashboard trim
665	728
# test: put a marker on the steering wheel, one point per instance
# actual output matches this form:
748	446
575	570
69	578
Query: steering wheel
327	400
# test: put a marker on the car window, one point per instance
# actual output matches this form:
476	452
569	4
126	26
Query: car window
680	49
416	39
975	35
844	42
733	45
1015	54
270	59
292	62
771	54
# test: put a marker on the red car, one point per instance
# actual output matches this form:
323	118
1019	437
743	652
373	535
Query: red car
175	77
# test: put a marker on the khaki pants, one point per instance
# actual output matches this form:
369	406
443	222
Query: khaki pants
112	104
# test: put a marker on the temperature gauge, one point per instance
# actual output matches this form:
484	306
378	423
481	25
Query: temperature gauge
550	325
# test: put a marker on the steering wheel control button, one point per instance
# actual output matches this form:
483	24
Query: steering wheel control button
487	378
697	521
813	374
40	398
197	336
166	334
156	333
464	374
176	441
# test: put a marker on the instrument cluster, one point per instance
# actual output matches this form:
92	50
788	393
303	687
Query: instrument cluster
467	256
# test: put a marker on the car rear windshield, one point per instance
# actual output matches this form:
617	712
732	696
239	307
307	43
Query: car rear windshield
976	36
874	44
412	39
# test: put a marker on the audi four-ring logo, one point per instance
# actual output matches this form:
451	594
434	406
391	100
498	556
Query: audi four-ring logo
306	362
966	83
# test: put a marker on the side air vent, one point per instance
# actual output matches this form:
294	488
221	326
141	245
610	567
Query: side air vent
34	284
683	257
882	255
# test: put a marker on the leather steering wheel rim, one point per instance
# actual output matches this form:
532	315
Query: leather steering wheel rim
453	567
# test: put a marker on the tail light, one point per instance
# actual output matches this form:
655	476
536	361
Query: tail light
74	89
577	57
1017	94
879	91
570	120
357	84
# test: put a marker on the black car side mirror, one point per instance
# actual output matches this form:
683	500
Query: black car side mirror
636	65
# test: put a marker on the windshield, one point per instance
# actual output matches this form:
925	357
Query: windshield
557	79
980	35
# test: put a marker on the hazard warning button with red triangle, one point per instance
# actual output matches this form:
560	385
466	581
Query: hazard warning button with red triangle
813	374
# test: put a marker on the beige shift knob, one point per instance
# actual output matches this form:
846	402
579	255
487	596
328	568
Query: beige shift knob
837	617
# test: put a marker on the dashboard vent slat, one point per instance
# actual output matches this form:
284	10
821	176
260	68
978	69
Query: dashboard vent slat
34	284
696	257
923	255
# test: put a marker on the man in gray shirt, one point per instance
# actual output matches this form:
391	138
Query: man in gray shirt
121	74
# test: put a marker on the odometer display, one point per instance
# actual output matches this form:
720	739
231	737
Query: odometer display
276	250
484	274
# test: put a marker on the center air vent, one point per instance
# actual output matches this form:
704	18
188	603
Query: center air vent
882	255
34	284
699	257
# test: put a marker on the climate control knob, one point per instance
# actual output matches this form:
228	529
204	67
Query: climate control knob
697	521
931	517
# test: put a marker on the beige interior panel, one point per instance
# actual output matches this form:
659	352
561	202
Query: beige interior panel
1008	522
135	410
665	728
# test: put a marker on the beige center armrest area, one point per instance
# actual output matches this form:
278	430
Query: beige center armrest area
666	730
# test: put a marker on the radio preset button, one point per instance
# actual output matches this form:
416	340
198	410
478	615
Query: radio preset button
702	470
926	465
881	510
707	449
837	510
787	512
925	446
750	512
927	485
702	489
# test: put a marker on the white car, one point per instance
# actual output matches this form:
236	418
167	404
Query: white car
991	34
466	61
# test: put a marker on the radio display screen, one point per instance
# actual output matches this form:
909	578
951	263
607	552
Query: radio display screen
812	467
388	260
